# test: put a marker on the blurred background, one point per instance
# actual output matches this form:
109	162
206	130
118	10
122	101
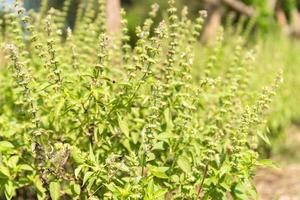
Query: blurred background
272	25
268	15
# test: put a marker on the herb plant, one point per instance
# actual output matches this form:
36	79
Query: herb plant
83	115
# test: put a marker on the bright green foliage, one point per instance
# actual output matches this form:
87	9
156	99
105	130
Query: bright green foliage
285	110
85	116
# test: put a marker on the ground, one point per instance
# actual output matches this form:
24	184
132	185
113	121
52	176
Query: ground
282	183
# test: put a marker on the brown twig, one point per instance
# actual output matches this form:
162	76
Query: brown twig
240	7
203	179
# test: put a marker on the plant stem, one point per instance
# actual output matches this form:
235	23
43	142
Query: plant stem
203	179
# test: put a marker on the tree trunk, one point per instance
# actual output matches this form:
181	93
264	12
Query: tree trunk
240	7
296	23
282	21
272	4
113	9
213	8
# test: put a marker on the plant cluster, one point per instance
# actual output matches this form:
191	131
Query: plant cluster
285	110
83	115
271	56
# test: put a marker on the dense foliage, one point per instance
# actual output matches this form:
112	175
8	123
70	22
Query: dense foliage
285	110
85	116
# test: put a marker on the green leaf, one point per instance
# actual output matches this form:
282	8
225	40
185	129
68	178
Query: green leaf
150	188
77	189
168	119
244	190
54	188
150	157
111	187
225	185
159	194
158	172
92	155
184	164
77	156
12	161
58	108
124	127
175	178
253	192
91	183
25	167
77	171
5	146
264	137
158	146
165	136
225	169
36	181
93	198
126	144
267	163
4	172
10	190
86	177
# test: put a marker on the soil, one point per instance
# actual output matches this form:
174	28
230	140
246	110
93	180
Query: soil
282	183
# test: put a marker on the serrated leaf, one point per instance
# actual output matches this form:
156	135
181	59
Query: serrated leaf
54	189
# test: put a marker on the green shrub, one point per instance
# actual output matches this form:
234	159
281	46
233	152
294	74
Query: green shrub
285	110
274	51
85	116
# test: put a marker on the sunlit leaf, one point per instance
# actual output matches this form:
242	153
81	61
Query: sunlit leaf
158	172
184	164
54	188
124	127
5	146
